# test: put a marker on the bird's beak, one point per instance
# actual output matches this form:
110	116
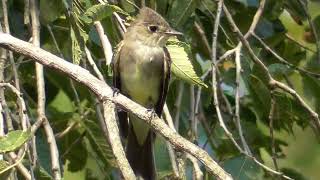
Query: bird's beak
173	33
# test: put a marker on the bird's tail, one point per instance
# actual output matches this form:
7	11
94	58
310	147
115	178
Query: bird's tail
141	157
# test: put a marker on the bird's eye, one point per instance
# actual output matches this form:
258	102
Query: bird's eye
153	28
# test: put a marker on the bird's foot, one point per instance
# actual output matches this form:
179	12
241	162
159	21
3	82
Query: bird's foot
151	113
116	91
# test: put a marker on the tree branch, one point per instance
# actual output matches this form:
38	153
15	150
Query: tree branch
104	92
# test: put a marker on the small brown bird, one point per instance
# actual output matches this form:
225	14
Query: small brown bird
141	67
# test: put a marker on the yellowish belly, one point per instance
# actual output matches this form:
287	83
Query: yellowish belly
140	80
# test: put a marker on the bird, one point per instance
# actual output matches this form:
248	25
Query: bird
141	71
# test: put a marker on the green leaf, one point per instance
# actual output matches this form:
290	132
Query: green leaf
181	65
243	168
294	174
50	10
78	34
3	166
259	97
42	174
13	140
181	10
77	53
98	143
100	11
295	10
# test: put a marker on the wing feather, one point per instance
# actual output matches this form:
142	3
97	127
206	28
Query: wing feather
122	115
164	87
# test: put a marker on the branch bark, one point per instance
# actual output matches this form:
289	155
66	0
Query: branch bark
105	93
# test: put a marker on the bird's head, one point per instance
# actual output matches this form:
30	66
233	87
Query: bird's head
150	28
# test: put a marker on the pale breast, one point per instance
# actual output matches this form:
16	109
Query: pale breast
141	71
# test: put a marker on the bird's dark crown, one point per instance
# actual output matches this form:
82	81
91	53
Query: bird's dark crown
149	16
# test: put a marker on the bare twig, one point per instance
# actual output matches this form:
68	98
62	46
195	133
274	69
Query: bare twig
192	117
54	40
282	60
23	109
202	36
22	169
6	29
251	30
177	105
237	99
16	163
197	173
115	141
103	91
26	17
172	155
214	75
255	19
93	64
106	45
54	152
304	5
299	43
3	59
313	114
271	119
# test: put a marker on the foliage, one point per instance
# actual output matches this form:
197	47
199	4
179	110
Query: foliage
84	153
13	140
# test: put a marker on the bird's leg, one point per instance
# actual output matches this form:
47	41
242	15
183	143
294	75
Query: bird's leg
151	113
116	91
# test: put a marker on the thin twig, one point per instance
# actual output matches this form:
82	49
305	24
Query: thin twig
304	5
237	99
23	109
54	152
106	45
271	119
313	114
6	28
16	163
54	40
177	105
115	141
22	169
197	173
282	60
299	43
255	19
93	64
26	15
172	155
192	117
214	75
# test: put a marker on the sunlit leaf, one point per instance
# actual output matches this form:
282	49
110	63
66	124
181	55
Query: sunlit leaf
4	172
100	11
181	65
13	140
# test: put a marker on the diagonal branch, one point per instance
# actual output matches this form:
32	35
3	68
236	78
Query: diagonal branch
104	92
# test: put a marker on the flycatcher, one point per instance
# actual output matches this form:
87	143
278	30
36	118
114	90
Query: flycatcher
141	67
